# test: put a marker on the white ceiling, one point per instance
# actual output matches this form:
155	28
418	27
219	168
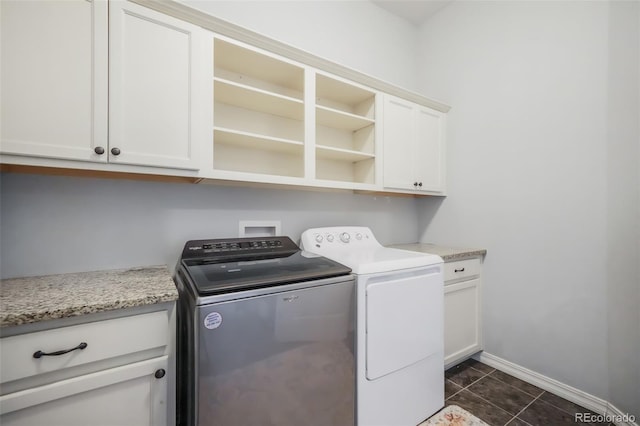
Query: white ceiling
414	11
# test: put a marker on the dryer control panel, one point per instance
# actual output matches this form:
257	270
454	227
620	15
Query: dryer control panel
338	236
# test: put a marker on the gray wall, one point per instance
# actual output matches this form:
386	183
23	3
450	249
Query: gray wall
541	173
623	213
543	167
51	225
58	224
356	34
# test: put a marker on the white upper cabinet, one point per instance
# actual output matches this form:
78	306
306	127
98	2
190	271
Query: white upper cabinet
156	80
120	87
414	137
54	78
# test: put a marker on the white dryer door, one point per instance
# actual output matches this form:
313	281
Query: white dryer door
404	317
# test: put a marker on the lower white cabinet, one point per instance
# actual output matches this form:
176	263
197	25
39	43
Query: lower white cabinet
104	373
462	310
130	395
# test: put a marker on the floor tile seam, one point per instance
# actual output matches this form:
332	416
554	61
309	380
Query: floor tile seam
478	379
456	392
489	402
465	387
477	369
509	384
561	409
527	406
519	419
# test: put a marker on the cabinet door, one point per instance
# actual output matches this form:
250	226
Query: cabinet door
155	75
429	149
54	78
462	333
398	136
130	395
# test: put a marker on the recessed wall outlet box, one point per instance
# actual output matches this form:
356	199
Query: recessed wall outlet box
258	228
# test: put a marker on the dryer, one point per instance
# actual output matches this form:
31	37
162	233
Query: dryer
399	327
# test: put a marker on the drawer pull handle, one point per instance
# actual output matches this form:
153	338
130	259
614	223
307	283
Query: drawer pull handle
40	354
458	270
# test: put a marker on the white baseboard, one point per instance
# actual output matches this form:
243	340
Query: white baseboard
588	401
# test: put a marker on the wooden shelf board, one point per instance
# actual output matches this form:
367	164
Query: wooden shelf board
244	61
331	117
341	92
247	97
255	141
331	153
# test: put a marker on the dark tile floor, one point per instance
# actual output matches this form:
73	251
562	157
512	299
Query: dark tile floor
500	399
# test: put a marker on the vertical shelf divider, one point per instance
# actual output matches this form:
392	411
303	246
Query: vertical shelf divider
309	123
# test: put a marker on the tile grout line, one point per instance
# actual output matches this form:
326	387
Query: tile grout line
527	406
455	393
562	409
489	402
537	397
515	387
465	387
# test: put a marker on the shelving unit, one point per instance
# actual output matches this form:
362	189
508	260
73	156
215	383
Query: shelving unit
258	112
345	131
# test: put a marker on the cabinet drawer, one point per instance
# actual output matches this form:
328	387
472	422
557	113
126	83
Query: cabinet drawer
94	399
461	269
104	339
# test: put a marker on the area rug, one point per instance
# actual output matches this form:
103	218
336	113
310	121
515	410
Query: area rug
453	416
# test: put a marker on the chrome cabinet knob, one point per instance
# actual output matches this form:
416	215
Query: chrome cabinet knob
98	150
115	151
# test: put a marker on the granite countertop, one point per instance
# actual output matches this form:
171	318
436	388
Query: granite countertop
33	299
448	254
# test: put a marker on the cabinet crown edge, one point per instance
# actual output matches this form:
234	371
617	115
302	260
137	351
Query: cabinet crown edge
239	33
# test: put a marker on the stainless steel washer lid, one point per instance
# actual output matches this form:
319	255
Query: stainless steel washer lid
229	265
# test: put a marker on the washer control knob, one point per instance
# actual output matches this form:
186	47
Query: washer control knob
319	238
330	238
358	236
345	237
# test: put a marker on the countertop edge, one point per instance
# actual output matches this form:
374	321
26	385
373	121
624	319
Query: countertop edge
32	300
448	254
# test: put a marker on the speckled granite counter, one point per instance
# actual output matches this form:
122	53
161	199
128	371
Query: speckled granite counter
447	254
34	299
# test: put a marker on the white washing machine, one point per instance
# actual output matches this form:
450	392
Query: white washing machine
400	349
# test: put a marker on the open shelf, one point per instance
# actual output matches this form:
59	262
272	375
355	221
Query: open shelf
258	112
254	141
331	153
342	96
343	170
260	159
345	131
256	68
332	117
243	96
